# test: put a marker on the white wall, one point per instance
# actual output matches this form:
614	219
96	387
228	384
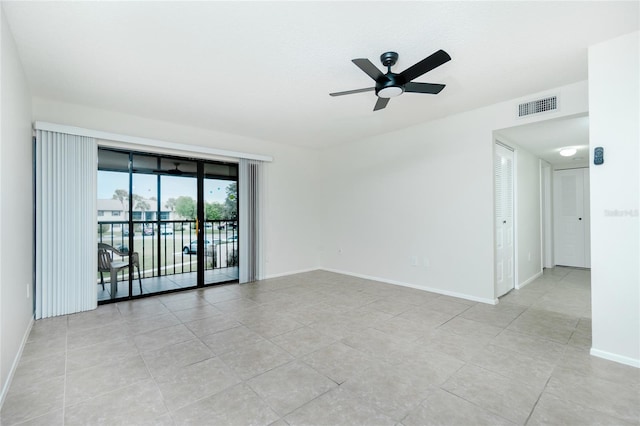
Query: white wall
424	192
16	207
614	115
528	217
291	236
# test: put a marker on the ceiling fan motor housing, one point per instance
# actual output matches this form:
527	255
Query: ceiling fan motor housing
389	85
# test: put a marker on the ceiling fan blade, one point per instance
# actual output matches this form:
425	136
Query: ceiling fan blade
349	92
366	66
425	65
423	88
381	103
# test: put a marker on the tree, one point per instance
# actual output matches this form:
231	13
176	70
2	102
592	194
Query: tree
186	207
214	211
171	204
121	195
231	203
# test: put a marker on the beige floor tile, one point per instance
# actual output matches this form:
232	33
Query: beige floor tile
197	313
447	306
391	306
579	360
93	336
338	407
611	398
37	370
425	316
504	397
290	386
211	325
500	315
90	382
527	369
551	410
101	354
530	345
256	358
231	339
456	345
393	390
441	408
170	358
340	362
302	341
271	327
236	406
30	402
163	337
467	327
182	386
53	418
137	404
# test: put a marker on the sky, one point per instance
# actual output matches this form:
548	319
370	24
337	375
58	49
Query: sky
172	186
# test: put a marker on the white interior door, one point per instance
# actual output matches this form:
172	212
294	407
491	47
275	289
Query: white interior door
571	219
503	168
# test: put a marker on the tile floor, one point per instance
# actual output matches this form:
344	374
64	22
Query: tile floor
325	349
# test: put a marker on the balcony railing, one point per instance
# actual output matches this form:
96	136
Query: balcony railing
170	247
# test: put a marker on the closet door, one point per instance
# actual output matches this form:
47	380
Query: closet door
571	219
503	181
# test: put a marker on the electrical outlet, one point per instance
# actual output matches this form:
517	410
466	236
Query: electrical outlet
28	290
340	250
529	256
414	261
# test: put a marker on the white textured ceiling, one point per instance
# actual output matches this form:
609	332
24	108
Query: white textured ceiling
265	69
545	139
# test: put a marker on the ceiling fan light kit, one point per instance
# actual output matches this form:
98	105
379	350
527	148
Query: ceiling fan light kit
390	85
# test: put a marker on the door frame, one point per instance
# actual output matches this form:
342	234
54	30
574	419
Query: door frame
547	255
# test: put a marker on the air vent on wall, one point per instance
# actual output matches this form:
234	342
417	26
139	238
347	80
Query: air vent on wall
538	106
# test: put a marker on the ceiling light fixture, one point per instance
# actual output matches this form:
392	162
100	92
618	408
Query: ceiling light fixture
568	152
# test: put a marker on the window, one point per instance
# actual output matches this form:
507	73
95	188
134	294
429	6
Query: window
100	212
115	213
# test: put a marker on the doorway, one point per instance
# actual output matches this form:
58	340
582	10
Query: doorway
172	219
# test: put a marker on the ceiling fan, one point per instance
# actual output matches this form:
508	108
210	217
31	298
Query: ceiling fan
176	171
391	84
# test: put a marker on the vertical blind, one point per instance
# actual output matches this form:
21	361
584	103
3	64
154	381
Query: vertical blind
250	180
66	241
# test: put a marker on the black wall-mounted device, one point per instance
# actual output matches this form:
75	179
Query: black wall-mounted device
598	155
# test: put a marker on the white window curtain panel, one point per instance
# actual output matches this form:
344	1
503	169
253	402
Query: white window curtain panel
66	217
250	182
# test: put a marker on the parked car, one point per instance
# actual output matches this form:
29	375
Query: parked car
166	229
122	248
233	238
193	246
147	231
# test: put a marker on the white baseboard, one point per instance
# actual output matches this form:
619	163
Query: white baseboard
284	274
16	360
615	357
529	281
430	289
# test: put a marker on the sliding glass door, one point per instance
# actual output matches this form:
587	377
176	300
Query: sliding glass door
174	220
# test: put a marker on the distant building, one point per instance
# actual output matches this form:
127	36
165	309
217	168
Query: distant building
110	210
